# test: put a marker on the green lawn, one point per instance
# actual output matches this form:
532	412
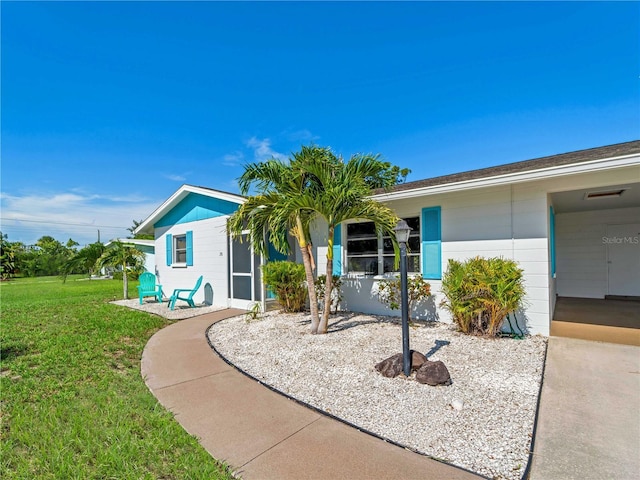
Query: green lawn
73	402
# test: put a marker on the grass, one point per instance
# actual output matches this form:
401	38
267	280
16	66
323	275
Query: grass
73	402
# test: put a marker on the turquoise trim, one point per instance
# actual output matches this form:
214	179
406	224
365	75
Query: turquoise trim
337	250
431	243
169	247
552	240
189	248
196	207
146	248
273	255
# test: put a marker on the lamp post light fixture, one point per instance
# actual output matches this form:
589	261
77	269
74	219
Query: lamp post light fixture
402	231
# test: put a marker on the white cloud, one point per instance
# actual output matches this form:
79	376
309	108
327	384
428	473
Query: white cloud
177	177
65	215
303	136
233	159
262	149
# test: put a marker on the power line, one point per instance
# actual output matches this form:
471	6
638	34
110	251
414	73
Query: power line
62	223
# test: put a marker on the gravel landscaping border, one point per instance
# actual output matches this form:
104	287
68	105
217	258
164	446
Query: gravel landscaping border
483	422
180	311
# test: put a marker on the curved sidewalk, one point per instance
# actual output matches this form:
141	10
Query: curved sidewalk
259	433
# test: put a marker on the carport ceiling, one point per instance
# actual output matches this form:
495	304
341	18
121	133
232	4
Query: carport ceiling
577	201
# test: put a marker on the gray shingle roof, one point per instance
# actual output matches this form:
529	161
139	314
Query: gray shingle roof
580	156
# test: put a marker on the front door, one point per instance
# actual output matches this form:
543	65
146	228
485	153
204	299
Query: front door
245	287
623	259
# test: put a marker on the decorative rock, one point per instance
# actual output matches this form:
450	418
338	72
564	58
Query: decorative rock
433	373
417	360
393	366
390	367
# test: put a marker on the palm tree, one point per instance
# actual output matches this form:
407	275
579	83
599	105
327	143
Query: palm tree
344	195
124	255
273	213
315	183
84	260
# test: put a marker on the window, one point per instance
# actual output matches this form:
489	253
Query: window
371	254
179	249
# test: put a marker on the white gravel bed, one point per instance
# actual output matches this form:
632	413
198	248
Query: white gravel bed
180	311
497	381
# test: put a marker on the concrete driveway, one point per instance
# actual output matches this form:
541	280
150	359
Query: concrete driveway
589	419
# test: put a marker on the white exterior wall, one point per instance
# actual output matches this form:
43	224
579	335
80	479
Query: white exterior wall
150	262
210	259
508	221
581	253
511	221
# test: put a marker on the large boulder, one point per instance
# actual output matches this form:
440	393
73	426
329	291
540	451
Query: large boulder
393	366
390	367
417	360
433	373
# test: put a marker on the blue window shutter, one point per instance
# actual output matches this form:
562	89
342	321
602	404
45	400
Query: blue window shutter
189	248
552	240
169	252
431	243
337	250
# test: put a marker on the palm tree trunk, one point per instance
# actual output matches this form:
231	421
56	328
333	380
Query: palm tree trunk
306	261
125	282
313	300
324	322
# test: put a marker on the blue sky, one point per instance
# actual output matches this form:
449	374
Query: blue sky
108	107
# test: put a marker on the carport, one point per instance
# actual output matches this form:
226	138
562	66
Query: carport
595	262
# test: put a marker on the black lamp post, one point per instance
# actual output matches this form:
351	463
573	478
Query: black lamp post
402	235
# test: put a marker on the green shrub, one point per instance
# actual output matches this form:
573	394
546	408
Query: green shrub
481	292
389	292
336	291
254	312
287	281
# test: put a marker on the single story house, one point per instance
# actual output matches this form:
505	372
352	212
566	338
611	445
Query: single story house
191	240
571	221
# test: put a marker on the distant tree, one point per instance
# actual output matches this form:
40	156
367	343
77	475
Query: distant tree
125	256
84	261
47	257
141	236
7	258
49	244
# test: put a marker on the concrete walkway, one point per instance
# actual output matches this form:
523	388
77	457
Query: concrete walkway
589	419
261	434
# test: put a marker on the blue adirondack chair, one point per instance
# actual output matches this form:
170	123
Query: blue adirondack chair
185	294
148	287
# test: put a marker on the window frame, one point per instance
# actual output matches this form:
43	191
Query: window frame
172	250
381	253
176	250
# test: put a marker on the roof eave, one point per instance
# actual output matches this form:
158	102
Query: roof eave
133	241
517	177
147	225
